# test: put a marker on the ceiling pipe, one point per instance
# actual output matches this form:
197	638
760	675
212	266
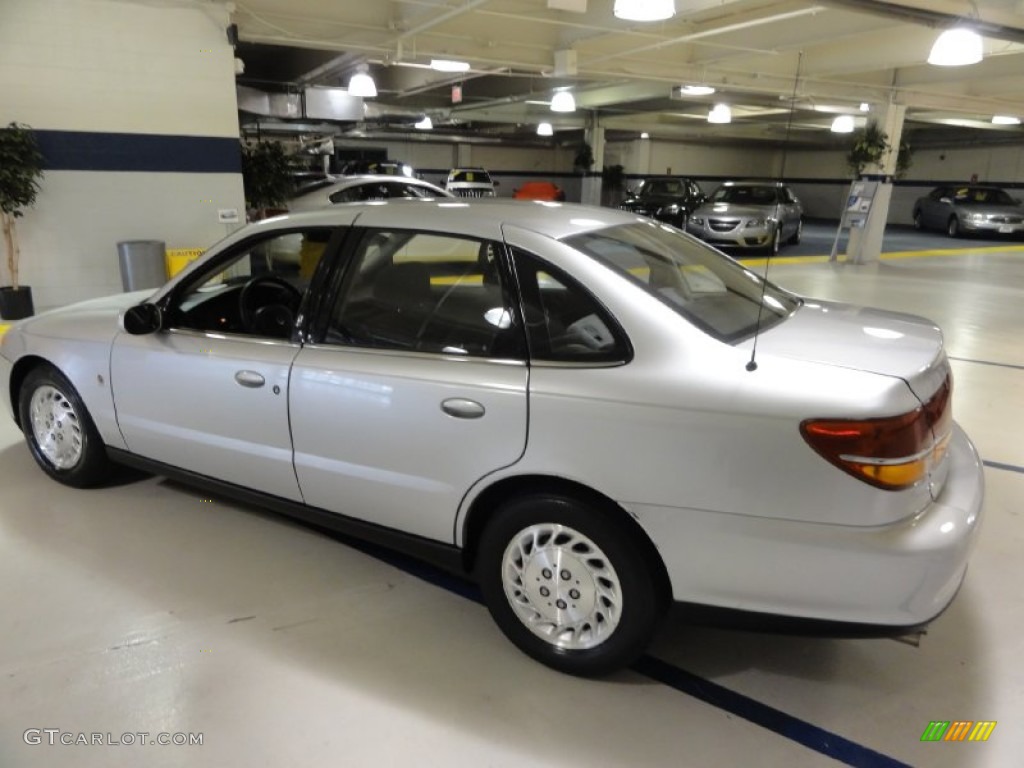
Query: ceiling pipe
930	18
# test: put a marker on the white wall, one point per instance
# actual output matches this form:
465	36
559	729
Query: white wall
110	66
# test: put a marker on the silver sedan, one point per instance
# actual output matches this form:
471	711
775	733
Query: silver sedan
961	210
561	402
749	215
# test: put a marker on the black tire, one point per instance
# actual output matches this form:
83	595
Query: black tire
776	242
799	234
621	598
918	221
953	227
61	435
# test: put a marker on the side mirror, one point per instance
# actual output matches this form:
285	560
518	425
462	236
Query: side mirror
142	319
496	183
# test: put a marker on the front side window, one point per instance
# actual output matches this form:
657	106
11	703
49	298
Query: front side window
712	291
421	292
257	291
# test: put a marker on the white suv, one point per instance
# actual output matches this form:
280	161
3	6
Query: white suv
470	182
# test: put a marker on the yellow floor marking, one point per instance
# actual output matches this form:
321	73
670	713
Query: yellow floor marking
760	262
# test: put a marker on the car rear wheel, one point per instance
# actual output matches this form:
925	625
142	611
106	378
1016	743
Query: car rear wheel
953	227
59	431
569	583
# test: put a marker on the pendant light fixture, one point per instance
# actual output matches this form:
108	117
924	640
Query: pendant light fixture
362	85
644	10
563	101
720	113
956	47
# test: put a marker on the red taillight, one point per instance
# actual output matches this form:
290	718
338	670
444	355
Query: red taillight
891	453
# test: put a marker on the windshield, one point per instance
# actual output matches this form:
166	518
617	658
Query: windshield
745	195
662	188
709	289
471	177
982	196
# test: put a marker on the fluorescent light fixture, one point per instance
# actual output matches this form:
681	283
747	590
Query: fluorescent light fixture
720	113
545	129
425	124
644	10
695	90
645	135
563	101
956	48
865	107
1005	120
362	85
843	124
449	65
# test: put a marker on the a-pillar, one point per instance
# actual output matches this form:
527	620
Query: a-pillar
594	136
865	244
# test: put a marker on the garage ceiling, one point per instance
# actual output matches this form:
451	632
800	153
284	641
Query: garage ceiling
785	67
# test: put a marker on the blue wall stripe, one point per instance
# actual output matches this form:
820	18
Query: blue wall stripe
86	151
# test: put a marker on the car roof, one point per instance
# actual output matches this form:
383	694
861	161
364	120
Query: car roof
344	182
761	183
483	217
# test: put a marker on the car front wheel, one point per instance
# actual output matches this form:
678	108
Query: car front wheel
918	221
798	235
569	583
953	227
59	431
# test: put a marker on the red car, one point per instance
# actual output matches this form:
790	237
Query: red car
539	190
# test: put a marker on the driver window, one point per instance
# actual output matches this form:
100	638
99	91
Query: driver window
257	292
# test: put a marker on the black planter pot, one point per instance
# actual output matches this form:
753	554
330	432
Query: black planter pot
16	303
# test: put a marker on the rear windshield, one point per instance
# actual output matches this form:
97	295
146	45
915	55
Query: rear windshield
745	195
709	289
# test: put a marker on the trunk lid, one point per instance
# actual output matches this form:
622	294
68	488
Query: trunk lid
904	346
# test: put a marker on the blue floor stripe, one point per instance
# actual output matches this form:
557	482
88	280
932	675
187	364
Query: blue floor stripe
777	721
988	362
811	736
1005	467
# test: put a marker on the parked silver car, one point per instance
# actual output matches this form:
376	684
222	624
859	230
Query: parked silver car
970	209
749	214
356	189
561	401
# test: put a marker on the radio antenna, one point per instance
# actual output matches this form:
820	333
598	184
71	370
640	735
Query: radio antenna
752	363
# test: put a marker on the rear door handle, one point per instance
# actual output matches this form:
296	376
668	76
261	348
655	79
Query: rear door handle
461	408
250	379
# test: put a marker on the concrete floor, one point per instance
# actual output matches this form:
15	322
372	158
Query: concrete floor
147	607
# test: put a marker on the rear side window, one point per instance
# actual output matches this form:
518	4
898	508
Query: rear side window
564	322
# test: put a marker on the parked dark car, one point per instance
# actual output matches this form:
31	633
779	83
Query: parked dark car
964	209
670	200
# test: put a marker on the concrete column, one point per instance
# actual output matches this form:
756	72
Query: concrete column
594	136
865	244
463	156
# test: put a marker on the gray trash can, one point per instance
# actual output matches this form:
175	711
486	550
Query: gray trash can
142	264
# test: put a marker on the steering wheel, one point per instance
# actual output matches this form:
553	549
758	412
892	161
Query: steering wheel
273	318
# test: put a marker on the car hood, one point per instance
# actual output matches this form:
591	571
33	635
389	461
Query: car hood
874	340
732	209
88	320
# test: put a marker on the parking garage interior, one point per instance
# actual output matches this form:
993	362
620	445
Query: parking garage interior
147	606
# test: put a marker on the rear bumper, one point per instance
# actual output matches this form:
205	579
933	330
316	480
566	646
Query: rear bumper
899	575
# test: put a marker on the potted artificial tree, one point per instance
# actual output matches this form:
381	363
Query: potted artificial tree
21	167
267	178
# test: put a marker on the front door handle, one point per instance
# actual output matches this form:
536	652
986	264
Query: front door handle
461	408
250	379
